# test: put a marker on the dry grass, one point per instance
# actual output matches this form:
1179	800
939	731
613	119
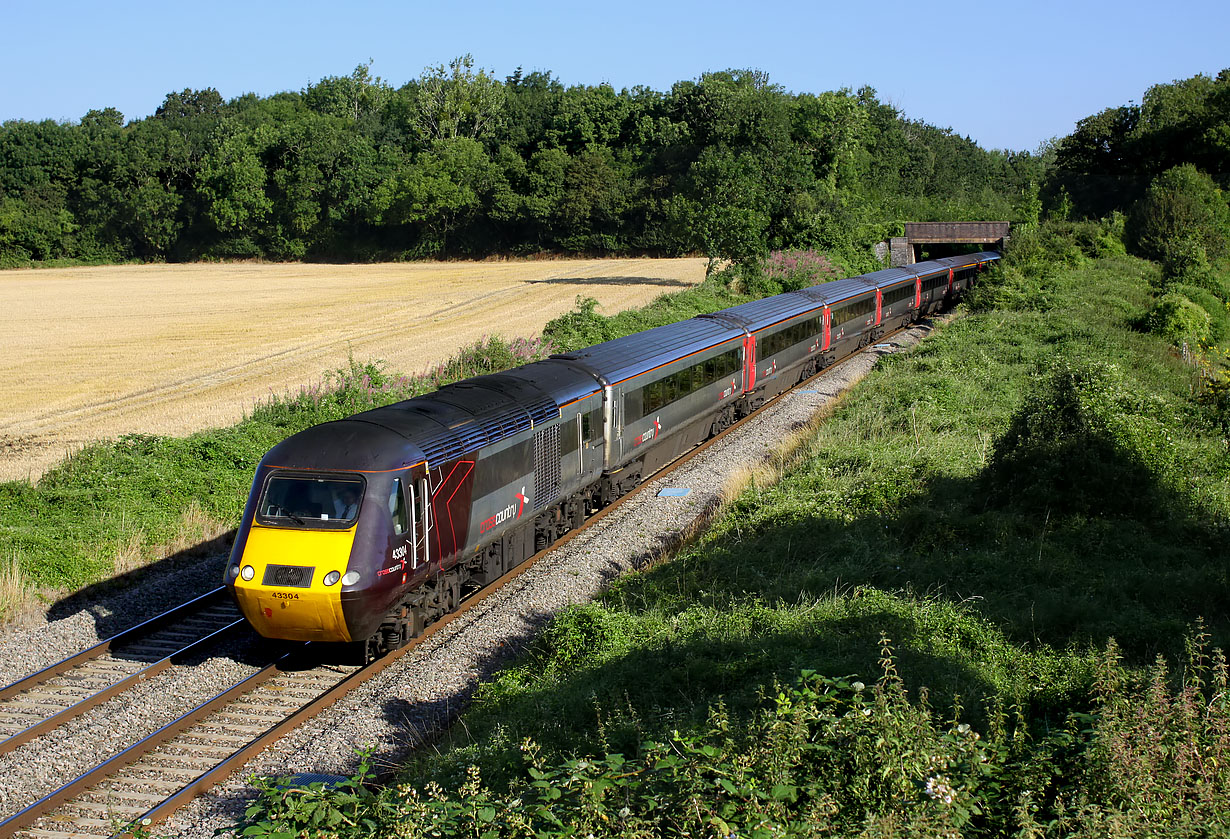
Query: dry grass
88	353
784	457
17	600
197	532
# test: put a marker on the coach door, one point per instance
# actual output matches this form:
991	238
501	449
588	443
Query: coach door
879	305
420	505
826	340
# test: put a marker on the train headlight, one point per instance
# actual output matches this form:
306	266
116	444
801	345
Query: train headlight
233	571
332	577
247	573
351	578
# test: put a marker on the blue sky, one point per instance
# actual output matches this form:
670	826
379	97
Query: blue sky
1007	75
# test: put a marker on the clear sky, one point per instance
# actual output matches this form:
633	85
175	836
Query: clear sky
1009	75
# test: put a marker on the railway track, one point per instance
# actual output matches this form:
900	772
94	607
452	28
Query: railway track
45	700
151	779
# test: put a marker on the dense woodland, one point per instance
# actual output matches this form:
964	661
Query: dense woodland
460	163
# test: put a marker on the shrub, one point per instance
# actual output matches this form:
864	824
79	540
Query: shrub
1213	305
1184	260
1182	203
1083	443
1179	321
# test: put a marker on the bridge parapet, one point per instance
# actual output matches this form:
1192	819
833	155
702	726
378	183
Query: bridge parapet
903	249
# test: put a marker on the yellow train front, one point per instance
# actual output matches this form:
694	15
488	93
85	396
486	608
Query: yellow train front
330	539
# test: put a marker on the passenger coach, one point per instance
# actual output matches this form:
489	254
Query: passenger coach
367	528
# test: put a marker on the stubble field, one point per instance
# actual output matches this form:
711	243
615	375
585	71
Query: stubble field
91	353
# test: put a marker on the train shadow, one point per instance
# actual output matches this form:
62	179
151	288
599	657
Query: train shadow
125	600
613	281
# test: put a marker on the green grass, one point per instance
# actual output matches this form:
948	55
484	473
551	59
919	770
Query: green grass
1032	486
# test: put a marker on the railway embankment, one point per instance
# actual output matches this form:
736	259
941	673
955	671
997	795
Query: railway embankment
987	596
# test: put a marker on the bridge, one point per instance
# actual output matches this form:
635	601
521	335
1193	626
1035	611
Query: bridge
904	250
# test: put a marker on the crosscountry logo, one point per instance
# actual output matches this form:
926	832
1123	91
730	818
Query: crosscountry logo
511	512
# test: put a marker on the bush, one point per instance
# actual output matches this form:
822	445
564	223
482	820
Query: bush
1179	321
1084	443
1213	305
1184	260
1182	204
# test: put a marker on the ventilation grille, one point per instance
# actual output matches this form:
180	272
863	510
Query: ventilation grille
546	466
483	431
293	576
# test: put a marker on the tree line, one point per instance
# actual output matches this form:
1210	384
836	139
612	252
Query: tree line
460	163
1163	164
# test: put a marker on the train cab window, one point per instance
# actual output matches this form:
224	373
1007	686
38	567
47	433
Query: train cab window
308	501
397	508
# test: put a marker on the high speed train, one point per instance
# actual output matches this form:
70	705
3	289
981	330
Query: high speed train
368	528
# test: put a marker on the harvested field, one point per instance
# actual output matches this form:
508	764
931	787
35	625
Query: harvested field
92	353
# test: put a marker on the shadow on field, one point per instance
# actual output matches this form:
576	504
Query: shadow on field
612	281
126	600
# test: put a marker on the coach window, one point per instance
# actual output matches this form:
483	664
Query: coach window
634	405
397	508
683	382
653	396
591	426
569	436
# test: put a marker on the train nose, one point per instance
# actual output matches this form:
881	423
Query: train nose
283	585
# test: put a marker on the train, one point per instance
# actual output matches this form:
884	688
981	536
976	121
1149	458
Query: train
366	529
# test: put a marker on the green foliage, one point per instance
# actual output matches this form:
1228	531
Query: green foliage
1180	321
1184	260
1184	210
1113	157
1085	442
836	756
281	809
1214	306
458	162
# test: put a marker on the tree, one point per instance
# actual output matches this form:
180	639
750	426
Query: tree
440	193
456	101
1182	205
231	182
357	97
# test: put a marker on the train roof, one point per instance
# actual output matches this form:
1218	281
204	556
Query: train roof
455	419
632	355
890	276
837	291
564	382
345	445
967	259
759	314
